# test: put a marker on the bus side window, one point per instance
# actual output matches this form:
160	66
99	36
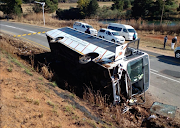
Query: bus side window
109	33
124	30
119	29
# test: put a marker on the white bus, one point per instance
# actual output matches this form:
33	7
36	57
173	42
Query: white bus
126	31
111	68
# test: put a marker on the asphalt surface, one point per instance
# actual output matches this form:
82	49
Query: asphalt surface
165	70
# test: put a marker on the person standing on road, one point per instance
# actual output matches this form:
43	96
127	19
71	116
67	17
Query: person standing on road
165	40
134	36
174	40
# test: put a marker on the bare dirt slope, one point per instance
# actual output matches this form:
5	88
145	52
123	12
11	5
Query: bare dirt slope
29	100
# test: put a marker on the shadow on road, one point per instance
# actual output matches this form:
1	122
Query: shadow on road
169	60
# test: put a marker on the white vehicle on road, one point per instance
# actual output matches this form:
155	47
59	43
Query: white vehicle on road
126	31
83	27
110	35
177	52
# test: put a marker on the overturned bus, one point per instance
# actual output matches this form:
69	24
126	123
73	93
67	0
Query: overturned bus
112	68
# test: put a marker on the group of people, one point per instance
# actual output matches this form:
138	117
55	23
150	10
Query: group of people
174	40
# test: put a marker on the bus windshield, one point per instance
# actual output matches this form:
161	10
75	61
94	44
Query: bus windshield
115	33
135	70
89	26
131	30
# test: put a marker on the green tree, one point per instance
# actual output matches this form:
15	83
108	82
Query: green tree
141	8
118	4
92	7
83	7
11	7
153	9
27	1
170	7
127	4
50	6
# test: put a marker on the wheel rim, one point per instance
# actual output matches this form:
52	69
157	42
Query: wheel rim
85	59
178	55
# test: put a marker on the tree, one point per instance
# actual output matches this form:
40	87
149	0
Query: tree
72	13
28	1
92	7
50	6
170	7
127	4
118	4
153	9
141	8
83	7
11	7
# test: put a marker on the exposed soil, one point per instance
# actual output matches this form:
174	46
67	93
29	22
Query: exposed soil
27	99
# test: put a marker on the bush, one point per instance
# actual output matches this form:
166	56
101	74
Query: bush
106	13
72	13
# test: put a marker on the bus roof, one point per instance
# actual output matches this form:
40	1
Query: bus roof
84	43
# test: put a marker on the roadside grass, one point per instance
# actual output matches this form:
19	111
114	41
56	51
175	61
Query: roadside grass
27	71
10	67
47	74
9	51
36	102
27	8
54	110
156	45
53	84
29	100
50	103
40	78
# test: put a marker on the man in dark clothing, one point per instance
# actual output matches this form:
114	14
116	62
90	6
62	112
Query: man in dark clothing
174	40
134	36
165	40
88	31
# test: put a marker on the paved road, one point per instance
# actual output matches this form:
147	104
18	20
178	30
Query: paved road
165	70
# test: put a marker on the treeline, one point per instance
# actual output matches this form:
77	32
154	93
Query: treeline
120	9
66	1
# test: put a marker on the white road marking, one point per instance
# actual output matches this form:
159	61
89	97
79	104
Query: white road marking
153	70
165	77
21	29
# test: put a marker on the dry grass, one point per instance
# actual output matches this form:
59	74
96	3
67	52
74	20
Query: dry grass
37	19
46	73
74	5
113	114
28	7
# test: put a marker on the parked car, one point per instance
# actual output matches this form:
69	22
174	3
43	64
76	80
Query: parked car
111	35
84	27
126	31
177	52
